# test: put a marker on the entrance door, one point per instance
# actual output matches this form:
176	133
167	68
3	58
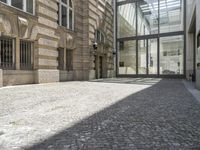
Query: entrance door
148	57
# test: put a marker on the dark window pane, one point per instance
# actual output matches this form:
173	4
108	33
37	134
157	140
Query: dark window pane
70	3
61	59
64	1
25	55
64	16
6	53
70	19
29	5
69	61
17	3
5	1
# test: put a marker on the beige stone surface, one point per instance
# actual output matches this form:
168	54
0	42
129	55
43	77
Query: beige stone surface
47	76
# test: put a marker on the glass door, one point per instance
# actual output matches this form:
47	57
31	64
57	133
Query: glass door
153	56
148	57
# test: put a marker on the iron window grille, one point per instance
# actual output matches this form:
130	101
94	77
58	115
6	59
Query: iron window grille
65	59
7	54
26	53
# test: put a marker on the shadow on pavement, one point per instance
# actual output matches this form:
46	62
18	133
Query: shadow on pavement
164	116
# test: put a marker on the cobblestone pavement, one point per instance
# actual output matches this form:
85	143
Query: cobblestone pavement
114	114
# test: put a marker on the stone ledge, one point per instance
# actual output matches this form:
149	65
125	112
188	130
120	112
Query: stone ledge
47	76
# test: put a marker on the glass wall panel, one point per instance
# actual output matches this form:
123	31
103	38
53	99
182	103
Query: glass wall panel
126	19
171	55
153	56
127	57
147	17
142	56
171	15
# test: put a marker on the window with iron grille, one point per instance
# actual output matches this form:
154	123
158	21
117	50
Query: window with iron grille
26	48
69	60
7	53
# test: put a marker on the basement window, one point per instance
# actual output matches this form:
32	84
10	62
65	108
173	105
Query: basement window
7	60
25	5
26	55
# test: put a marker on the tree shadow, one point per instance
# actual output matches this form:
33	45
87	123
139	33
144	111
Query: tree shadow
164	116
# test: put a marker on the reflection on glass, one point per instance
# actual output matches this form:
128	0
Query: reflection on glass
29	6
64	16
127	57
147	17
126	20
152	56
142	56
17	3
171	55
171	15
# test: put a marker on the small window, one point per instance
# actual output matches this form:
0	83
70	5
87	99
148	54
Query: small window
26	56
121	64
69	60
6	53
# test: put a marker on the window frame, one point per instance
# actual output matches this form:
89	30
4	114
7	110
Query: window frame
24	5
60	4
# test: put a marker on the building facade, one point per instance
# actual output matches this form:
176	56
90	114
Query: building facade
150	38
45	41
193	40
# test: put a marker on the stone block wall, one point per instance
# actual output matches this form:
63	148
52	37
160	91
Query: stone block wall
43	30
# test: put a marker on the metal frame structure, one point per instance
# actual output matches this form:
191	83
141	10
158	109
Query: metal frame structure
146	37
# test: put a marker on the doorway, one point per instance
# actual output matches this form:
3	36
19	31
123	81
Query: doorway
148	57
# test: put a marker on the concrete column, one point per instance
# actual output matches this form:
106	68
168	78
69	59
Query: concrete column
1	77
17	54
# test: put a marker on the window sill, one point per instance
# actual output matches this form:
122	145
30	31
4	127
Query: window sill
65	29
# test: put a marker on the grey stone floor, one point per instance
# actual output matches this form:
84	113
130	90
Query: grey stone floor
111	114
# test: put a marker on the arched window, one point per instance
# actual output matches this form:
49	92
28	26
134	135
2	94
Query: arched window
66	14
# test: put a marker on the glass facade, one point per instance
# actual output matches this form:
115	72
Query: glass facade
150	37
127	57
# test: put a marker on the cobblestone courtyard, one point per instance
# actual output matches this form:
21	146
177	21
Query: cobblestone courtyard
114	114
